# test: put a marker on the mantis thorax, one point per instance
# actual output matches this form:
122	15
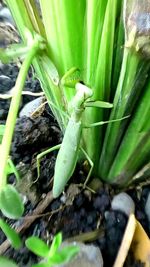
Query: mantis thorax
77	106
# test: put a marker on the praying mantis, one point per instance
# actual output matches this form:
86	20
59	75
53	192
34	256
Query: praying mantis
69	148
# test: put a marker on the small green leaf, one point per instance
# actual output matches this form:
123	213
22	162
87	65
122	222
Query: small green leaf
64	255
57	258
55	244
4	262
11	203
11	168
11	234
69	252
37	246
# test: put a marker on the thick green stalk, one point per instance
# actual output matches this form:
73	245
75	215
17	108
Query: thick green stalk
20	15
138	159
94	19
132	78
34	15
117	55
63	21
105	58
136	132
101	80
13	111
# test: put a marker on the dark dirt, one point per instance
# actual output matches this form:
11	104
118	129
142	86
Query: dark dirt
86	211
6	84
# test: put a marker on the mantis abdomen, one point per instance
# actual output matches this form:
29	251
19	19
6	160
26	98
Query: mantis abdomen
67	156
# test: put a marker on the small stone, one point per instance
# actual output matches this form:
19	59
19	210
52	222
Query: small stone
123	202
31	107
88	256
6	16
102	202
55	205
90	219
63	199
147	207
5	84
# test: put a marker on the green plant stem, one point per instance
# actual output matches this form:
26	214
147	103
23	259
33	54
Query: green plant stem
136	134
102	81
13	111
94	19
132	78
65	34
118	55
136	161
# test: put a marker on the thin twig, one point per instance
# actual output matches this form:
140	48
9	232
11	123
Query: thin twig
7	96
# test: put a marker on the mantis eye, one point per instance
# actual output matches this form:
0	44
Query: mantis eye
137	25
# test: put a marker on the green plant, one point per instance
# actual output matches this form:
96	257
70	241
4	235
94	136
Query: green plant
11	234
52	255
13	238
96	52
9	194
107	43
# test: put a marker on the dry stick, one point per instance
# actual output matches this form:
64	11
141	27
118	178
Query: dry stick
7	96
27	222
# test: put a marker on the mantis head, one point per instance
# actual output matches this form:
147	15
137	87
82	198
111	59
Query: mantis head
83	93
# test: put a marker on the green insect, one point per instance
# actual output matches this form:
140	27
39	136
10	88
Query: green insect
69	149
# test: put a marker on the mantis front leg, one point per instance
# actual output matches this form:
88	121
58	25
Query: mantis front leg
42	154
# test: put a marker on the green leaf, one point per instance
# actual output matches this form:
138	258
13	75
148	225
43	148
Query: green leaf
69	252
64	255
11	203
11	234
11	168
72	11
37	246
4	262
55	244
57	258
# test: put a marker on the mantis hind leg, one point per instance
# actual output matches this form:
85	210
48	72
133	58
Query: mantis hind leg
42	154
91	167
